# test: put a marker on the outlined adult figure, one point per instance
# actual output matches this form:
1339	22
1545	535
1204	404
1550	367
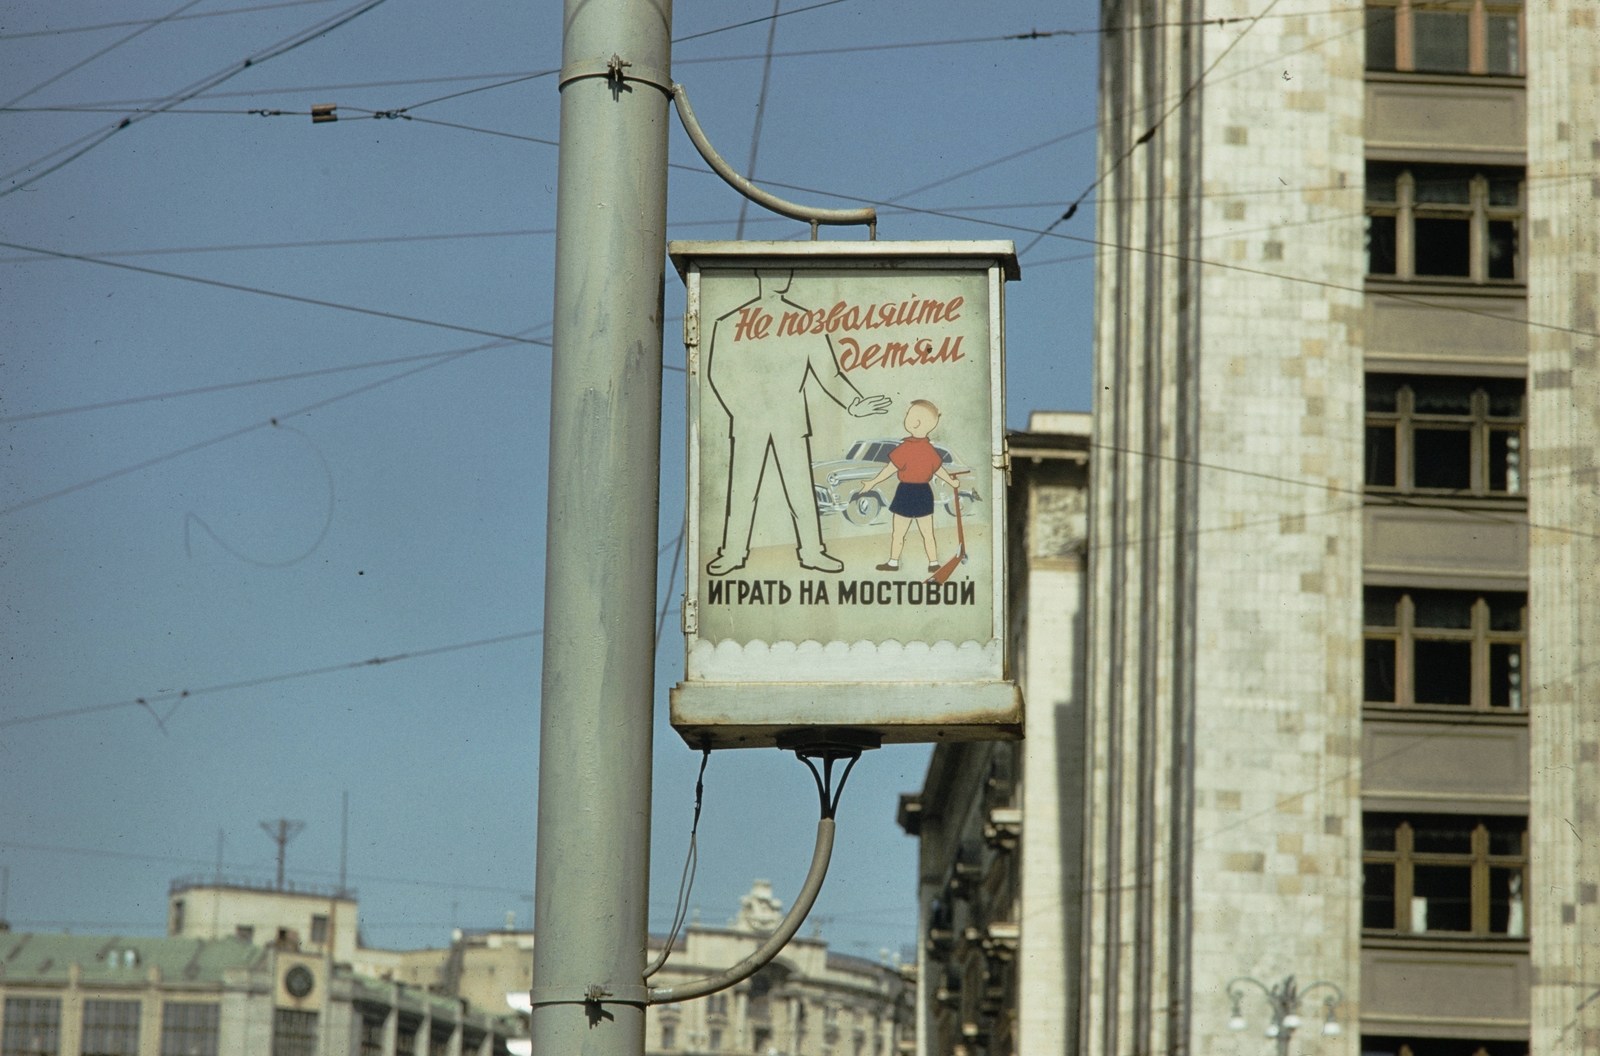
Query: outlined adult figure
762	384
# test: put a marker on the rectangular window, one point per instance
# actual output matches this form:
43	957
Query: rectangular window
1446	36
372	1022
1374	1045
111	1028
319	928
189	1028
1461	436
1444	648
175	927
669	1035
1450	222
245	932
405	1038
33	1027
294	1033
1445	874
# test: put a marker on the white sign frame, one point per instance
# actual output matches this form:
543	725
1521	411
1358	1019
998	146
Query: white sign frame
753	694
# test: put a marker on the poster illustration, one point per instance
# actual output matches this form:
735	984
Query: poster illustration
831	431
846	491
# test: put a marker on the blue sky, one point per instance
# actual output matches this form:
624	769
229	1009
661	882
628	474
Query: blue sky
410	516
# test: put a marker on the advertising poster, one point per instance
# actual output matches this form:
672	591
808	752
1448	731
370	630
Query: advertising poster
846	464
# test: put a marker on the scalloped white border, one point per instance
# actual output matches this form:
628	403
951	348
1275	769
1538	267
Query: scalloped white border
863	661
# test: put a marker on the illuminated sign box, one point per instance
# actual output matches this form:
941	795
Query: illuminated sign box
847	473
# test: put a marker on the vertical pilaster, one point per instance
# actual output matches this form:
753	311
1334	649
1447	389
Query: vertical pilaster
1563	236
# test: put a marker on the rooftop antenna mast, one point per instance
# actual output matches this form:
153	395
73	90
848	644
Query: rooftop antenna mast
281	832
344	841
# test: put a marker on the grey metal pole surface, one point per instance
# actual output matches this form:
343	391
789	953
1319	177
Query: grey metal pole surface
591	891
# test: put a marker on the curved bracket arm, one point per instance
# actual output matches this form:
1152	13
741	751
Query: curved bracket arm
662	995
810	214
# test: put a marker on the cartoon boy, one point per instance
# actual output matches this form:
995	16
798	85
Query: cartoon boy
917	461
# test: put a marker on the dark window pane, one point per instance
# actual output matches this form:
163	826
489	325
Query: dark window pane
1383	391
1507	910
1505	676
1505	396
1377	897
1380	38
1443	395
1442	833
1380	245
1378	606
1380	456
189	1029
1504	47
1505	190
1443	246
1440	41
1442	672
1502	249
1377	831
1382	179
1448	891
1441	458
1505	611
1442	185
1505	834
1448	609
1379	681
1505	460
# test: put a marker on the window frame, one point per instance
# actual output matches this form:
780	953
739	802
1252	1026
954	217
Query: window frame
1404	860
1479	212
1404	633
24	1013
1404	419
1478	13
190	1028
110	1027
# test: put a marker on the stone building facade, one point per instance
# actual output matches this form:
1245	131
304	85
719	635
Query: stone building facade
1338	718
107	995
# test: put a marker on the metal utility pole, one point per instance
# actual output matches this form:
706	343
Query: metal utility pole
281	832
591	893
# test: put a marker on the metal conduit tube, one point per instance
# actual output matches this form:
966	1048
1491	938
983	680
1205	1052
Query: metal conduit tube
810	214
662	995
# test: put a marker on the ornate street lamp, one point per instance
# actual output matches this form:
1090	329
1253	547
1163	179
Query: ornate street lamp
1285	999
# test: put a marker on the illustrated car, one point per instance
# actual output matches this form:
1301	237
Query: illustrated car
838	482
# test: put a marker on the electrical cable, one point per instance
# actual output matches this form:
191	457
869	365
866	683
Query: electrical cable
271	293
672	576
153	21
755	21
147	27
691	865
282	47
231	434
178	696
1149	133
761	112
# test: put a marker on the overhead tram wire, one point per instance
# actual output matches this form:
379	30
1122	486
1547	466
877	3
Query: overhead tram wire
1150	133
178	696
271	293
243	430
282	47
147	27
153	21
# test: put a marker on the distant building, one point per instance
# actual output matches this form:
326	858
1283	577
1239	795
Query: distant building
314	919
100	995
807	1002
989	983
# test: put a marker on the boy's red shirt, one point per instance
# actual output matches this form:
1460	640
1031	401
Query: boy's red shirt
916	459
